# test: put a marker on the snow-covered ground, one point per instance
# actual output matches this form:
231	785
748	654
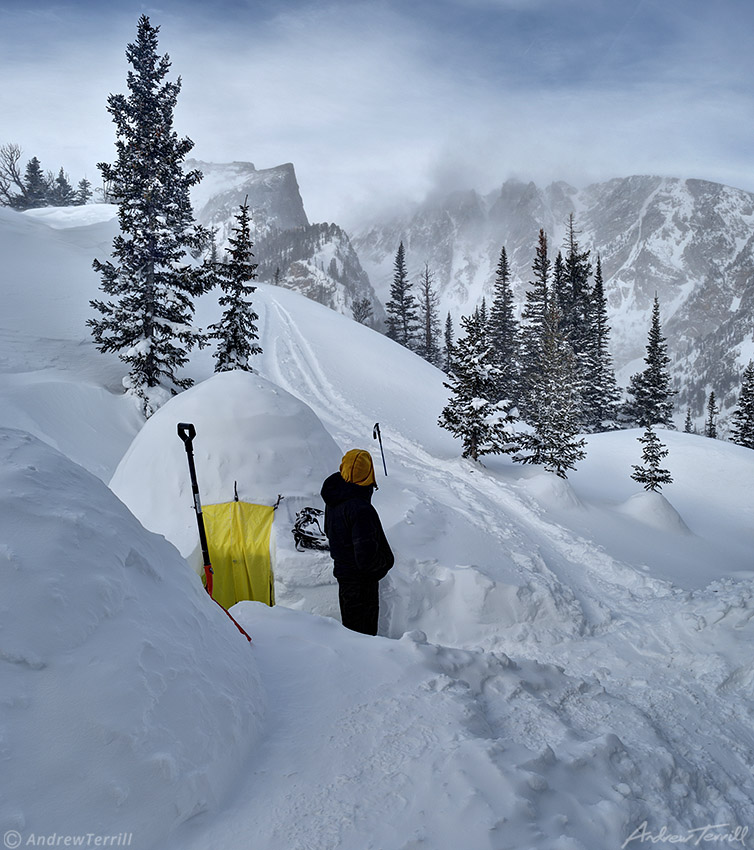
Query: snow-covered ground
562	664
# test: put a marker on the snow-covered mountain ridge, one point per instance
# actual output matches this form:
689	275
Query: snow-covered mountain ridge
317	260
689	241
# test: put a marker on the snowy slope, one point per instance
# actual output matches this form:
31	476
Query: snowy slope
560	661
116	669
53	383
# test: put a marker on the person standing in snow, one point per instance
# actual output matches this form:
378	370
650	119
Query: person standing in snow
358	546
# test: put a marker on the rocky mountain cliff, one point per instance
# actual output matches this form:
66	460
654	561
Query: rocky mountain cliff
689	241
315	259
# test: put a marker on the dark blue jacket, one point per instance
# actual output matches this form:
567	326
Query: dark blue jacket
358	545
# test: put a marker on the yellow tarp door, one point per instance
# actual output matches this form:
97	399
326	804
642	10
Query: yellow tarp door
238	535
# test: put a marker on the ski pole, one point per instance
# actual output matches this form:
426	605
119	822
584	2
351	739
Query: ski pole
187	432
376	435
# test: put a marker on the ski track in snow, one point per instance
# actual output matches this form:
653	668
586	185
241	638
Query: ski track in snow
658	631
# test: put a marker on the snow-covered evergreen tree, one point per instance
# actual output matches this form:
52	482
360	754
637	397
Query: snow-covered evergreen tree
236	331
147	318
447	350
559	291
742	418
652	402
402	310
599	387
427	345
575	297
362	310
710	426
553	404
503	330
534	319
62	194
472	413
688	425
83	192
37	186
651	475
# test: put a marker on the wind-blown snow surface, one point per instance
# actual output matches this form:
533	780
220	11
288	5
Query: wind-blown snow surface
561	661
116	669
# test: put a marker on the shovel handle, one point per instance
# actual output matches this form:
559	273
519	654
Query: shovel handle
187	432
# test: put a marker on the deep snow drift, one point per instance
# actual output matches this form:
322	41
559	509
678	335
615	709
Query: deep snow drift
562	661
116	669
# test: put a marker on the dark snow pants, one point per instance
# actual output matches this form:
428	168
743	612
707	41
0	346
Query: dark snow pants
359	605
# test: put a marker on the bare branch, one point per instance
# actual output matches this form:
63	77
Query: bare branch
11	180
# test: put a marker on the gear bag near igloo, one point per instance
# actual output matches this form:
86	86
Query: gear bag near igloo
238	534
235	540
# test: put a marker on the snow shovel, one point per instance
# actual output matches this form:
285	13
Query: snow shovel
187	432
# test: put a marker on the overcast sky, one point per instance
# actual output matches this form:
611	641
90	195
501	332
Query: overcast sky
384	101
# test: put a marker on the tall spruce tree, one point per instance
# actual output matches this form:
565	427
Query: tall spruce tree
554	404
447	349
472	413
651	475
575	295
151	285
742	418
427	345
534	320
652	402
710	426
37	186
688	425
559	291
577	319
236	331
402	310
503	330
600	389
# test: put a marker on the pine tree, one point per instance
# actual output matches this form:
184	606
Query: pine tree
559	290
504	334
148	319
710	426
600	389
472	414
651	475
37	188
83	192
427	345
554	404
402	320
575	294
742	431
448	346
688	425
236	331
652	402
534	321
62	193
362	311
